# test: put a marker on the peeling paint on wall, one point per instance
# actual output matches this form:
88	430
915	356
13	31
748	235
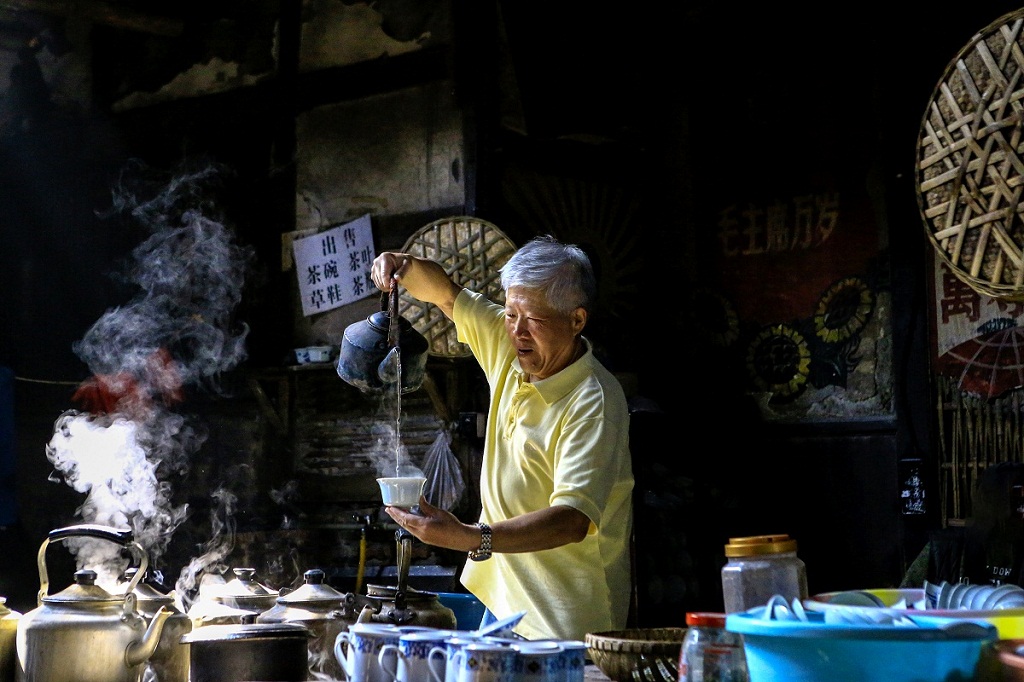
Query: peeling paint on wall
342	33
387	154
214	76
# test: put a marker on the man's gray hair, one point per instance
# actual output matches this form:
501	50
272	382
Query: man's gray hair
563	271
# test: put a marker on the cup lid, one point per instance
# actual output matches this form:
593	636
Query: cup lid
374	627
484	645
433	635
538	647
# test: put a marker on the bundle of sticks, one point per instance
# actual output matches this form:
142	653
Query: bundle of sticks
974	433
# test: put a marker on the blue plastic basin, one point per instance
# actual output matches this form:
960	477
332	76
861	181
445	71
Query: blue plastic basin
468	609
937	650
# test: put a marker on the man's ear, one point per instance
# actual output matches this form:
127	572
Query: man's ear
579	319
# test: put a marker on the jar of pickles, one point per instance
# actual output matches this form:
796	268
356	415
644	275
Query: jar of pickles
710	653
760	567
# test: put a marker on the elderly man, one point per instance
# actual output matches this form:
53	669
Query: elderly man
556	479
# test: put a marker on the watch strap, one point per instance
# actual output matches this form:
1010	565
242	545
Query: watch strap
485	543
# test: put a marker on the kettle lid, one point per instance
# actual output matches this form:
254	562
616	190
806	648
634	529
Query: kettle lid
6	611
313	591
144	592
244	584
84	589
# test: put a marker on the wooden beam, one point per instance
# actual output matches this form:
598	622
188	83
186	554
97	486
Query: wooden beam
98	13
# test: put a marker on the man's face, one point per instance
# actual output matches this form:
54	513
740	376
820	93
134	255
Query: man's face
544	338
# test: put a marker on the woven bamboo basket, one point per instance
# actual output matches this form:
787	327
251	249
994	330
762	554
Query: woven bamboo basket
969	163
471	250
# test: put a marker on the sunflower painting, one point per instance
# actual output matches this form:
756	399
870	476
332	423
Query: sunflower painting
802	307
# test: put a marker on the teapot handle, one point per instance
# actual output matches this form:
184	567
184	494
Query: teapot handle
120	536
394	329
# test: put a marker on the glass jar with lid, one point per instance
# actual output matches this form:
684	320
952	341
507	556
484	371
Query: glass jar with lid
760	567
710	653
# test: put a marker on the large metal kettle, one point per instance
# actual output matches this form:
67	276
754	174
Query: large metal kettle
376	351
84	633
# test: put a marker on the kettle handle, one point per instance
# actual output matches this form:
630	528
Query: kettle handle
120	536
394	328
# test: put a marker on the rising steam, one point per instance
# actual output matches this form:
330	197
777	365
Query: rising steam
179	331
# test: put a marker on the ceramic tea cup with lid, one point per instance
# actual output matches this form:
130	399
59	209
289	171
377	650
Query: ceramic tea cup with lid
485	661
357	650
419	656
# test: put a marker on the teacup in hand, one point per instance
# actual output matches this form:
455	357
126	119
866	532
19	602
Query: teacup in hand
401	491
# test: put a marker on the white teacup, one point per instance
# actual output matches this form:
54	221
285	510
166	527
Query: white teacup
401	491
452	646
538	661
364	642
485	661
572	660
418	656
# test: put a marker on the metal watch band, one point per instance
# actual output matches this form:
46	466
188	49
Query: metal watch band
485	544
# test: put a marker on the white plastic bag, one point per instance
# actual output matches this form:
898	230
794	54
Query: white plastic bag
445	485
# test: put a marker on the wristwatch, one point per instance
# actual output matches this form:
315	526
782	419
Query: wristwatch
484	552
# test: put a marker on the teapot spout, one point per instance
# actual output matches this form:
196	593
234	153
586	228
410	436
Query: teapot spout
390	368
138	652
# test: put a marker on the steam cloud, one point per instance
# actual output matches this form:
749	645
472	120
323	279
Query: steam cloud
178	331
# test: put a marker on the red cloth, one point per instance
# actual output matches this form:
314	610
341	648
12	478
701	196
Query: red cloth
127	394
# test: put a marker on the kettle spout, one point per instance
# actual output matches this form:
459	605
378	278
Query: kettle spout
139	651
390	368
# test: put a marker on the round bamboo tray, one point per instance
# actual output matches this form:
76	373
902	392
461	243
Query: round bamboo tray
970	169
471	250
637	653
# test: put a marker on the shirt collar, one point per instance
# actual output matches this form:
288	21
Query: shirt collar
558	385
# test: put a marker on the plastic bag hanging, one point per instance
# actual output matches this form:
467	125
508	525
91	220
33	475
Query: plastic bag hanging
445	484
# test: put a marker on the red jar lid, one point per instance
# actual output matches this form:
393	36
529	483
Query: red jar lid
705	618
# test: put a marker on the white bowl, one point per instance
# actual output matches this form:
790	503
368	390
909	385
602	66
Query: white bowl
401	491
1008	618
310	354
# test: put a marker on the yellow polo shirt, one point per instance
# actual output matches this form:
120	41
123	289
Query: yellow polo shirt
563	440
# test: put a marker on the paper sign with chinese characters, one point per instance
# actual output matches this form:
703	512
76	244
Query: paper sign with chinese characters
977	340
333	266
960	313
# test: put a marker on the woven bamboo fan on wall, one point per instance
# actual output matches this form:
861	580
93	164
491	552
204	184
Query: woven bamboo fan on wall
471	250
970	162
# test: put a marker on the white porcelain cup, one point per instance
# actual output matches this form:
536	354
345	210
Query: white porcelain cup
572	661
452	645
538	661
485	661
401	491
357	650
418	657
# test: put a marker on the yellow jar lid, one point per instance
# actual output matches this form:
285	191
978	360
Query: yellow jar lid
756	545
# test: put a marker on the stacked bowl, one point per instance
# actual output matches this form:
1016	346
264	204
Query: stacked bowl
1001	606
